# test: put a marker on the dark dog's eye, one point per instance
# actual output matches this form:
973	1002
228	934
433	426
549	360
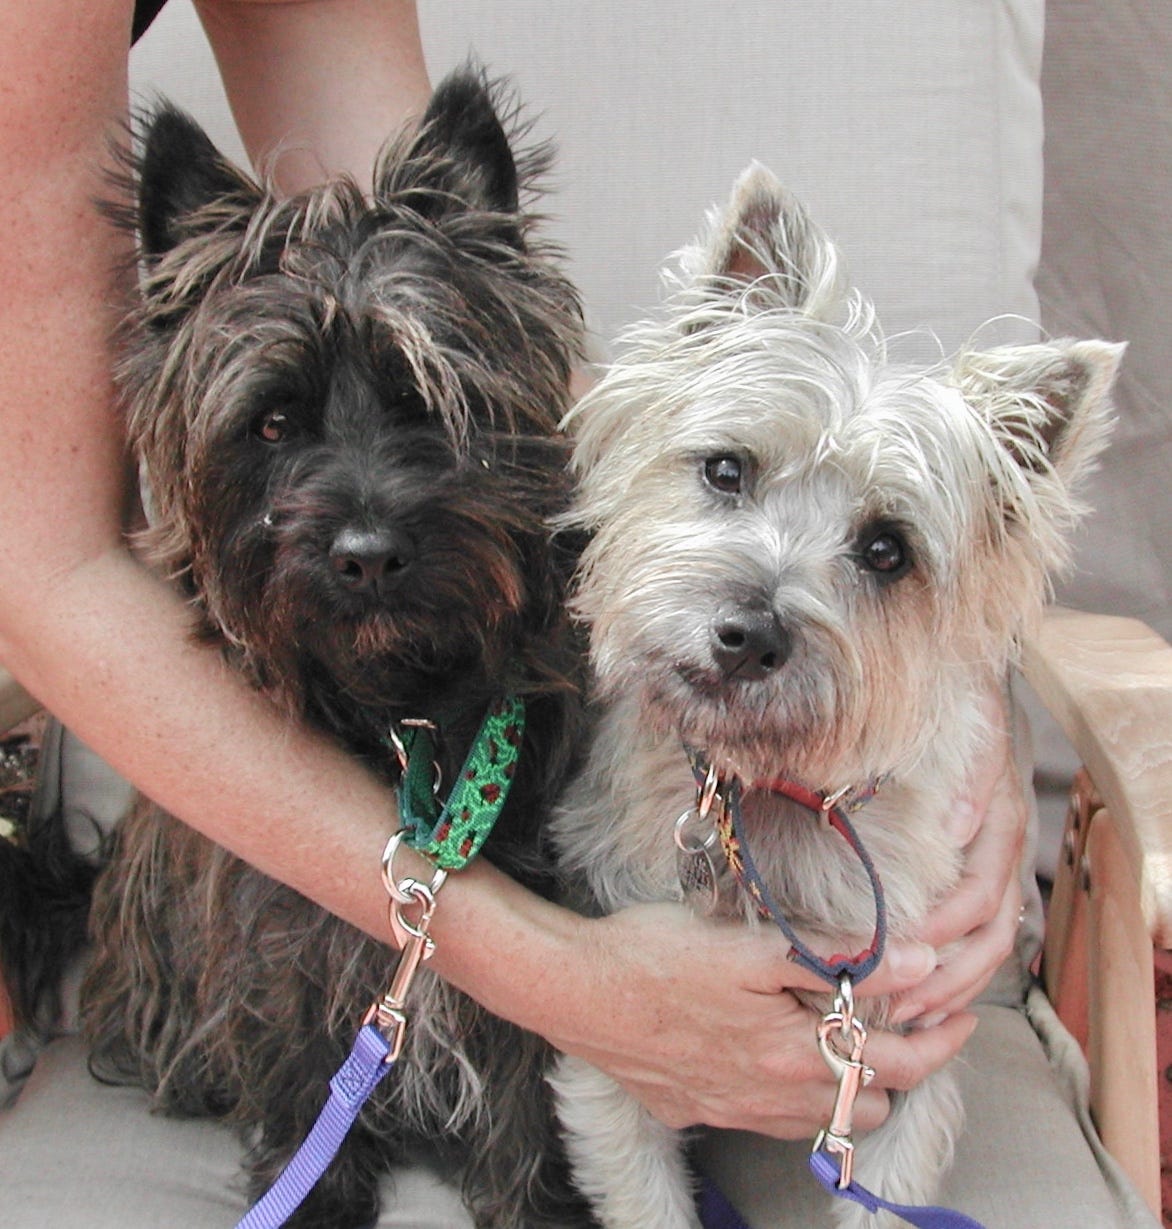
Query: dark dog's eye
884	550
406	401
724	474
273	426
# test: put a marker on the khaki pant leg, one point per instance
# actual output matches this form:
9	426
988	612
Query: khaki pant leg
74	1152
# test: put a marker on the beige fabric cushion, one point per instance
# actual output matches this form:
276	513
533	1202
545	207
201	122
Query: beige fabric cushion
1028	1158
913	130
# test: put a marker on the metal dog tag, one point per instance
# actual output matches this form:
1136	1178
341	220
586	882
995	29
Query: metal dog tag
694	864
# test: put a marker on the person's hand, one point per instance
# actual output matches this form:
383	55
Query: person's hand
693	1017
975	926
732	1048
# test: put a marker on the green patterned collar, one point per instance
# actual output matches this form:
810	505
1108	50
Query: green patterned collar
452	836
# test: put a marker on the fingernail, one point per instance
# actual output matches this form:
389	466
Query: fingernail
905	1012
927	1022
913	961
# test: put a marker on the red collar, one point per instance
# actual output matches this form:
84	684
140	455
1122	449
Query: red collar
848	798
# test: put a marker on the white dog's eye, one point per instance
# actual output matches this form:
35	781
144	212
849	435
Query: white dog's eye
724	474
884	551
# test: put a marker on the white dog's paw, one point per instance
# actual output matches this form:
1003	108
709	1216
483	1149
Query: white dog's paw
626	1163
905	1159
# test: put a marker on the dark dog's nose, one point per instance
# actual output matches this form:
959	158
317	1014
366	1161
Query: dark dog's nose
749	642
364	559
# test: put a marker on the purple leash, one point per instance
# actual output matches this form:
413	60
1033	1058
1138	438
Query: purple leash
825	1170
377	1046
449	838
353	1082
717	1213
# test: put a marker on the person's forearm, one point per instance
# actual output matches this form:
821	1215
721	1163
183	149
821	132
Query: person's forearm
112	651
107	647
515	953
318	86
97	638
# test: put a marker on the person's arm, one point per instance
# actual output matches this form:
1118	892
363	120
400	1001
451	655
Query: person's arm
317	86
101	641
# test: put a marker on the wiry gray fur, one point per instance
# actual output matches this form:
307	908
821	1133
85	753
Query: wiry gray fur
304	373
742	466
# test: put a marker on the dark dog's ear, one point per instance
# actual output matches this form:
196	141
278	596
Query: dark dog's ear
461	152
180	174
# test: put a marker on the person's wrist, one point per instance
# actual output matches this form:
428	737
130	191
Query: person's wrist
511	950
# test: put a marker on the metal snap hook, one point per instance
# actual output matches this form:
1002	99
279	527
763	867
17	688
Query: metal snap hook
852	1074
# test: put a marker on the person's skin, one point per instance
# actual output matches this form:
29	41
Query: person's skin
686	1013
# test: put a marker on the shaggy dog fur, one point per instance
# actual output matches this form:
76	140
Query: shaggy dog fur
344	406
806	562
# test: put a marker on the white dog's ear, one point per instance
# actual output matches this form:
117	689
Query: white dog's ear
1048	404
764	238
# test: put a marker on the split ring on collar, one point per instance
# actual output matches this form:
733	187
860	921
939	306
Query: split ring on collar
401	889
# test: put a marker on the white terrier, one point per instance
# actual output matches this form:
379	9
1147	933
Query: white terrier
807	566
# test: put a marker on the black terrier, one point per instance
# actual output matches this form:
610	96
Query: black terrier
345	410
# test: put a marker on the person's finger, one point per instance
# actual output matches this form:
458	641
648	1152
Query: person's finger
990	870
965	970
790	1100
812	1113
906	963
902	1061
800	1114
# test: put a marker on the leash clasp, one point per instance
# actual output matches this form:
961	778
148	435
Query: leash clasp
388	1013
841	1039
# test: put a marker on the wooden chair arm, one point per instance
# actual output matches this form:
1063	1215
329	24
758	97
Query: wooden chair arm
1108	683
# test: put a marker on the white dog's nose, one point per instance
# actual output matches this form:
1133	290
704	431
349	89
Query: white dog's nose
749	642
